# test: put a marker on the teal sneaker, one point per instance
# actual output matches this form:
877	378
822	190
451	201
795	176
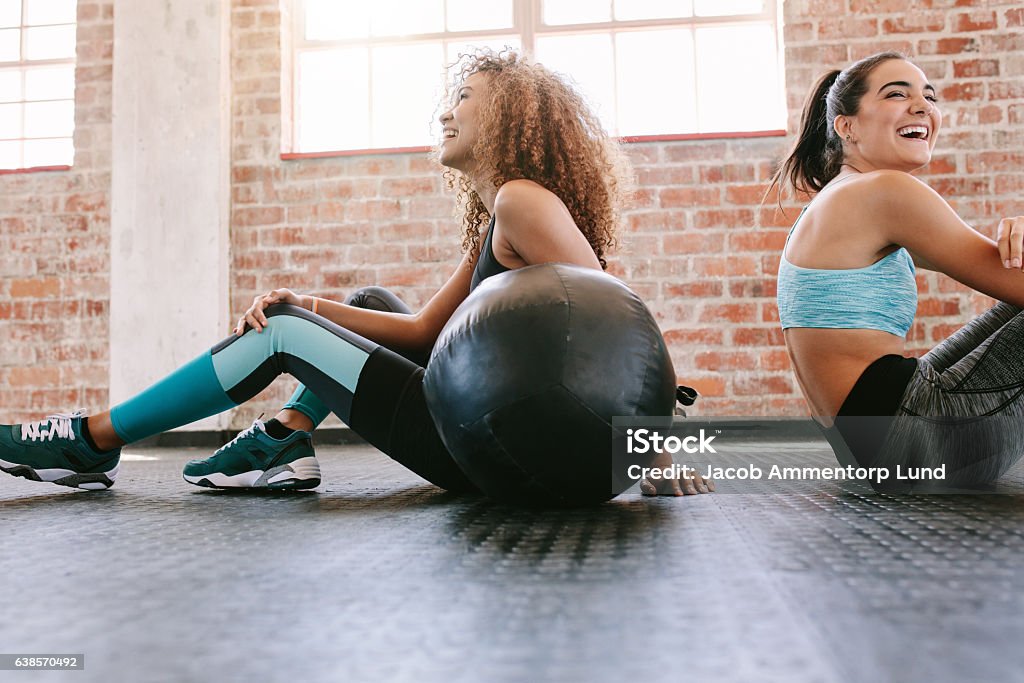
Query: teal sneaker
254	459
53	450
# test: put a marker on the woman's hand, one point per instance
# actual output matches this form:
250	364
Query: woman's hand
1011	242
690	485
254	316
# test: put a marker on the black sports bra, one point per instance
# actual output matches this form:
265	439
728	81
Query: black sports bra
486	264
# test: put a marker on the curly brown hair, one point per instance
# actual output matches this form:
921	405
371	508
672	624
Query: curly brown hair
536	126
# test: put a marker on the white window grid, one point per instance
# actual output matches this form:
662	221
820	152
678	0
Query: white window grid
527	27
61	153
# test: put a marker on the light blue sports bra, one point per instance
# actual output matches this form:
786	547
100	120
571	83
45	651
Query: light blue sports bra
882	296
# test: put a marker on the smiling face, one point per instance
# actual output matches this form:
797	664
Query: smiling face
897	121
461	124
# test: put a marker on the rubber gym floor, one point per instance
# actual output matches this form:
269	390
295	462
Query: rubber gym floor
378	576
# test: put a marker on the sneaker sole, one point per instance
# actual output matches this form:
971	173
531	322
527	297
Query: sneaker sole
303	473
90	481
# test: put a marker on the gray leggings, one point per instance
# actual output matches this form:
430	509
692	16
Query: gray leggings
963	406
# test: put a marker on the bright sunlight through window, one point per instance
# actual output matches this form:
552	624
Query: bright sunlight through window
368	76
37	83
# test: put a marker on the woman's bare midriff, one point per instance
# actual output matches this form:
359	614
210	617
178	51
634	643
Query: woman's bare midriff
829	362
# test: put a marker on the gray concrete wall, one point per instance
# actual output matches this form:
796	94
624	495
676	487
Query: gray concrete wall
170	196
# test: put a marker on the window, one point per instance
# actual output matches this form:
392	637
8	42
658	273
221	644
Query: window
37	83
368	75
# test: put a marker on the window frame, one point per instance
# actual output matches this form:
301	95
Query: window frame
527	26
22	66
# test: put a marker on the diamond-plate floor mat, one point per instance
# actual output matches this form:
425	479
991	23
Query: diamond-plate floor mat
377	576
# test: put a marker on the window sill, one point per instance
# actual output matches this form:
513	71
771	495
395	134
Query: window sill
33	169
704	136
292	156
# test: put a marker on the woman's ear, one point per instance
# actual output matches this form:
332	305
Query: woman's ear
843	126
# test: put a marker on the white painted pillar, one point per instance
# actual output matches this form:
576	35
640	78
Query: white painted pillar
170	196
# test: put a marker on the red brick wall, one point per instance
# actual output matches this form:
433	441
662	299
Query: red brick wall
697	244
54	254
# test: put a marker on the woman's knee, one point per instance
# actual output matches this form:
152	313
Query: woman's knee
377	299
301	322
275	310
286	323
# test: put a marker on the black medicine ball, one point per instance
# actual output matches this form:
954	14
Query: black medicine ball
525	378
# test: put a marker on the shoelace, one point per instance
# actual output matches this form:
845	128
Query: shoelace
59	427
257	424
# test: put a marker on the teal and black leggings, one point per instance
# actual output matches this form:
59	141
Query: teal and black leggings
373	298
374	390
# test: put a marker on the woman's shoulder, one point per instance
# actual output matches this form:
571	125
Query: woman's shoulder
882	184
522	200
520	190
873	194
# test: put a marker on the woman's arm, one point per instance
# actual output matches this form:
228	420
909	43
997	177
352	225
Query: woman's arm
535	227
912	215
415	332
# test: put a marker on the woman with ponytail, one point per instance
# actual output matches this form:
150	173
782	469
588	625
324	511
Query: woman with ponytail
847	294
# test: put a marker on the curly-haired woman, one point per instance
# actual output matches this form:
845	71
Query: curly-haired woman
537	180
847	293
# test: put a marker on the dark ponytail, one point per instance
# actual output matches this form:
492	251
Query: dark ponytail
817	154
